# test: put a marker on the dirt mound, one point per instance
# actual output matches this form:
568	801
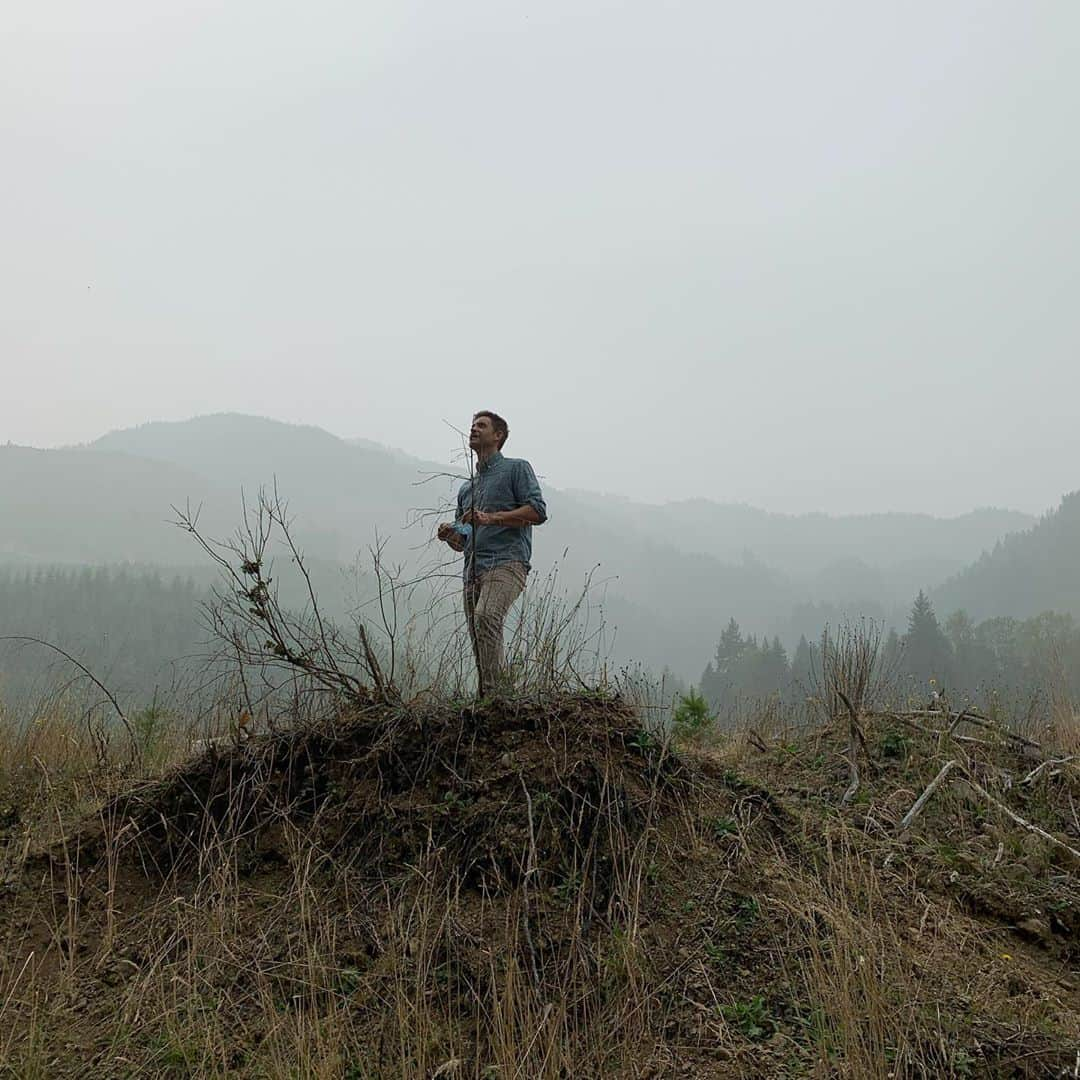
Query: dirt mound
498	788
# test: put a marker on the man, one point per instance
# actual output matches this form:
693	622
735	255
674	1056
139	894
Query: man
496	511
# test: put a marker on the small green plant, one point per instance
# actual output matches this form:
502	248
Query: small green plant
963	1062
569	887
723	827
642	741
452	803
543	801
894	745
717	954
732	780
750	1017
816	1022
748	910
691	718
148	724
949	855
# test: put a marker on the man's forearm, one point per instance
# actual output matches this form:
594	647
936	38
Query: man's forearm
515	519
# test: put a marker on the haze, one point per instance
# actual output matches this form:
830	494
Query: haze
807	256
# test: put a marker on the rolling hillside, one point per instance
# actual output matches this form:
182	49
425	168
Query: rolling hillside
1026	573
667	578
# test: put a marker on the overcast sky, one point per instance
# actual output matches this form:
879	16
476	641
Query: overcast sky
805	255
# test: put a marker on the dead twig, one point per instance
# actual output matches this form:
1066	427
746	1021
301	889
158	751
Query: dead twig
530	869
136	752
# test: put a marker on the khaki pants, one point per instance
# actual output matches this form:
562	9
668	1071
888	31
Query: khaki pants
487	600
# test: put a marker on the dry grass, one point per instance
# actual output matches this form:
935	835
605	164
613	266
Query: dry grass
739	922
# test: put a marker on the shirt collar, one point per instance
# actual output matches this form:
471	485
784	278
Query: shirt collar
493	460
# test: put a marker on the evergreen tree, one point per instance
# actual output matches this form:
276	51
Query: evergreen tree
718	683
778	669
891	652
730	648
802	670
927	652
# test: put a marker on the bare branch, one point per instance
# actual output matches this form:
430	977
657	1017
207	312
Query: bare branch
136	753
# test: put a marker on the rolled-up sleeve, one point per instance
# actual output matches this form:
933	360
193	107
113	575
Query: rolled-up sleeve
527	489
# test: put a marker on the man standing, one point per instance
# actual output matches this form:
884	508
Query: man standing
496	511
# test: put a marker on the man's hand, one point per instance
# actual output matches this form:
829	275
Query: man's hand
449	535
478	517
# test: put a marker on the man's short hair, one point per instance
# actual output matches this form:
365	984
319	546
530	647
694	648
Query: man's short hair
502	429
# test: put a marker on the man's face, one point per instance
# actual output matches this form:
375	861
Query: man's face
482	437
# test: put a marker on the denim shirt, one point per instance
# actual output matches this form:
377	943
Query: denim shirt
500	483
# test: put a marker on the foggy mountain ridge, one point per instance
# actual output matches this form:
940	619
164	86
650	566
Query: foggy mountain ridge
670	577
1026	573
806	544
919	549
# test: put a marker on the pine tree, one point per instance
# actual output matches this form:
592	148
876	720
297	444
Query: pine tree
927	652
891	653
730	647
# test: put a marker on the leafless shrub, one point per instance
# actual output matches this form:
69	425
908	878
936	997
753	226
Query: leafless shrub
247	617
850	680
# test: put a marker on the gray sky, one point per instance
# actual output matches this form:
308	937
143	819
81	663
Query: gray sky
804	255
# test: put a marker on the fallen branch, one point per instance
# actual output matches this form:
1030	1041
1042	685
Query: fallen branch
939	732
934	784
975	739
971	717
855	740
904	718
853	764
1019	820
1034	774
960	716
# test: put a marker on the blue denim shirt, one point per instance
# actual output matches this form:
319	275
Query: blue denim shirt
501	483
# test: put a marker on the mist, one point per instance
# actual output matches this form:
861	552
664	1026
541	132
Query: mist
810	258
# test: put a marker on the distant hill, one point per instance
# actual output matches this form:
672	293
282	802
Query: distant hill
669	577
895	553
1025	574
667	602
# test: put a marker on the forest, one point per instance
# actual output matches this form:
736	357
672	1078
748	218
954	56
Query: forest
143	632
969	662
